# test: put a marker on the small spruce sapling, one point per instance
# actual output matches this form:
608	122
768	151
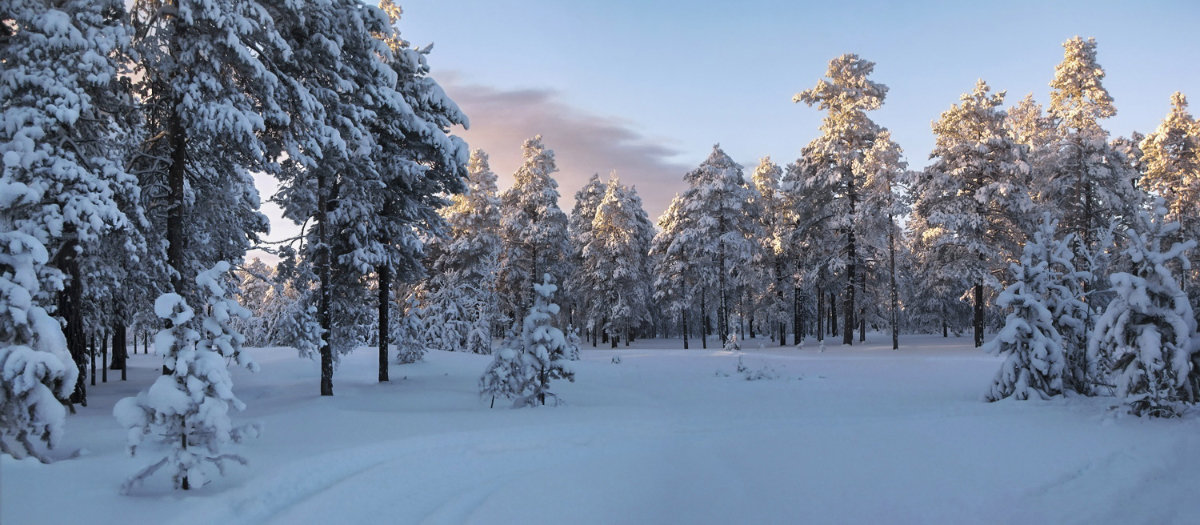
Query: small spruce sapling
187	410
1145	338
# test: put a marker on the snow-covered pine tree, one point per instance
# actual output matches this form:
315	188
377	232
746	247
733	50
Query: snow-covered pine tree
523	366
676	271
544	347
187	410
973	202
1086	183
208	101
1145	340
581	282
464	267
1171	158
884	172
409	333
36	373
719	200
846	134
613	265
772	264
1034	349
66	124
533	228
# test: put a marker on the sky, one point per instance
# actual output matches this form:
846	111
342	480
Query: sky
646	88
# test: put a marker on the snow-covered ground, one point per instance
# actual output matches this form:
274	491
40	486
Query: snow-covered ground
847	435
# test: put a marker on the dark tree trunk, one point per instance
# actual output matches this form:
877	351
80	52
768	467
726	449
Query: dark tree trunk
703	321
832	315
324	271
176	177
119	352
723	299
385	284
92	354
851	265
70	300
945	328
894	318
614	340
862	326
820	324
683	315
104	356
797	316
978	315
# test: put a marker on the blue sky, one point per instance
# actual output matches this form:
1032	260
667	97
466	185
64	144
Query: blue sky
676	77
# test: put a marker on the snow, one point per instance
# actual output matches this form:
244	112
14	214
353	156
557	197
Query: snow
849	435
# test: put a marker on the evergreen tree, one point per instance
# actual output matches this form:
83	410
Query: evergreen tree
187	409
1171	158
614	265
464	265
676	265
1088	183
579	228
524	365
773	257
884	172
830	160
66	124
1033	347
973	200
1146	338
533	228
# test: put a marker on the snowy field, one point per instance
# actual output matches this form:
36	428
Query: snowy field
848	435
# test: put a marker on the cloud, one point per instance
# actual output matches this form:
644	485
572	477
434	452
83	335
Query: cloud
583	143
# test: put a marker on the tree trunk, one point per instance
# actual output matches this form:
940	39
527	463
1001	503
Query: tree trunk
978	315
703	321
723	304
851	265
820	324
104	356
895	295
92	354
862	326
176	178
119	351
798	330
832	315
324	271
70	300
945	329
683	316
385	287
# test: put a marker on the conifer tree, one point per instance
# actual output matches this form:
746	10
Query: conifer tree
846	134
525	364
973	200
1088	183
533	228
614	264
66	125
676	265
772	263
1171	159
1035	351
187	409
1145	341
579	228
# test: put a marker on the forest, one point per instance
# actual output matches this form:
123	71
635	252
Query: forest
132	133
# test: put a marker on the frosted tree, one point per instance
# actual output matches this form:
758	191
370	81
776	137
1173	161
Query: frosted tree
1042	299
579	228
1088	183
718	198
884	173
1171	158
846	134
533	228
973	201
465	263
1145	340
66	123
372	170
409	333
187	410
773	261
36	373
523	366
676	268
613	265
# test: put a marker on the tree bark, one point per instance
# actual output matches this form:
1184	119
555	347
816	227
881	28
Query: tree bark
176	179
820	325
104	356
683	316
895	295
978	315
324	270
70	300
832	315
385	284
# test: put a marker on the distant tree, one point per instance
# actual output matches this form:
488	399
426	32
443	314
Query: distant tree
973	202
613	263
772	263
1171	159
1146	338
676	265
884	174
579	227
846	134
533	228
